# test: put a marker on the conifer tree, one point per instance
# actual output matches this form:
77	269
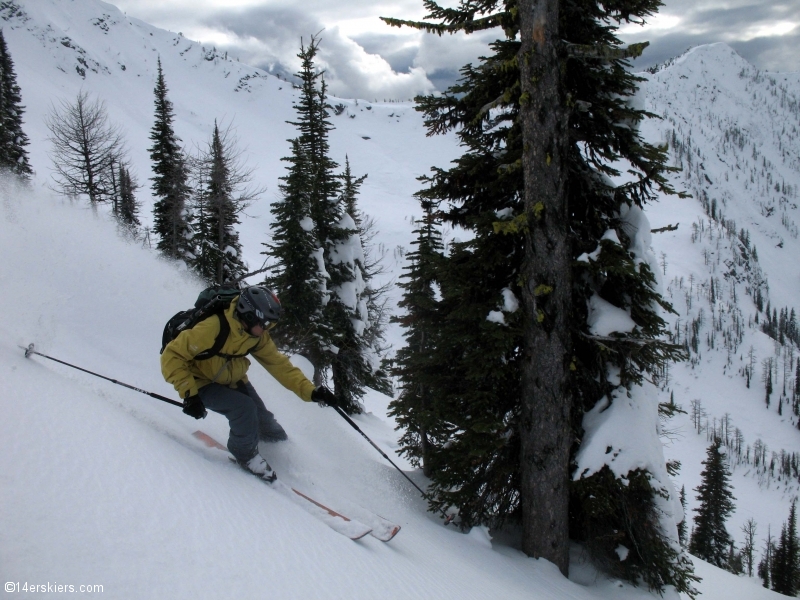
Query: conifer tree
352	365
219	202
128	208
785	567
13	155
340	344
710	539
337	333
682	525
373	296
295	271
171	217
540	128
313	127
310	202
414	407
347	315
474	365
765	564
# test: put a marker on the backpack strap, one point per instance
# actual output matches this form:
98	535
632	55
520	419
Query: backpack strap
219	342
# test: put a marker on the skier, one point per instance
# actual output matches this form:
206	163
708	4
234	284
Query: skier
220	383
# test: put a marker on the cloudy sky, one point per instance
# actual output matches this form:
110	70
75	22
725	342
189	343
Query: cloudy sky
366	58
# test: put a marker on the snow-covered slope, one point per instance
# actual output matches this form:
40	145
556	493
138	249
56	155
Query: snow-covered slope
100	485
736	133
63	46
104	486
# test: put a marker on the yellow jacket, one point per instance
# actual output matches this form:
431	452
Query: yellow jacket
187	375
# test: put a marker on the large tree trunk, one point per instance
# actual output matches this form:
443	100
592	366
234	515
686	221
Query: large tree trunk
545	427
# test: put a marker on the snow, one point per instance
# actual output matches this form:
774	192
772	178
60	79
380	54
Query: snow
624	436
307	223
102	485
605	318
495	316
510	302
105	486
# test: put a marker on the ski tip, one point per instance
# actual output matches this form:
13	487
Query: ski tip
360	533
388	534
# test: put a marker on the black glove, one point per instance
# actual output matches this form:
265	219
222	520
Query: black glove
324	397
194	407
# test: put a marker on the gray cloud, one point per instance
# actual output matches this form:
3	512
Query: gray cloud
751	29
366	58
270	37
399	51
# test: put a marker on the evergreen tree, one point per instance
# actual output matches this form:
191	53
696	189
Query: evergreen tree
352	366
682	524
414	407
171	218
515	406
473	365
13	155
313	126
765	564
347	315
785	567
218	205
375	296
295	271
128	209
332	323
710	539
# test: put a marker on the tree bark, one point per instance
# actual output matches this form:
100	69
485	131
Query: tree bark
544	427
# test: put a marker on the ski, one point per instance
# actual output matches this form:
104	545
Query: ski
382	529
346	526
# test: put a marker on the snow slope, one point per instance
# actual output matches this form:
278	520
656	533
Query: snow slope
63	46
101	485
104	486
734	131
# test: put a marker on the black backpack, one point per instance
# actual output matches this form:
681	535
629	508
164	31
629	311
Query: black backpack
211	301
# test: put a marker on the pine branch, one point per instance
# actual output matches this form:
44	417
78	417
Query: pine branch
603	52
637	341
468	25
667	228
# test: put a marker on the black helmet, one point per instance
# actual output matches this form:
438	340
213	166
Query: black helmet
258	305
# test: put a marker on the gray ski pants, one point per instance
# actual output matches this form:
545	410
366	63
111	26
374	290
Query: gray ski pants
246	415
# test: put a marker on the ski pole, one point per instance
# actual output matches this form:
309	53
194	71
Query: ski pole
447	518
29	350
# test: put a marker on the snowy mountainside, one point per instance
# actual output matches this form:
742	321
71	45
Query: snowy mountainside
735	132
61	47
104	486
146	508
